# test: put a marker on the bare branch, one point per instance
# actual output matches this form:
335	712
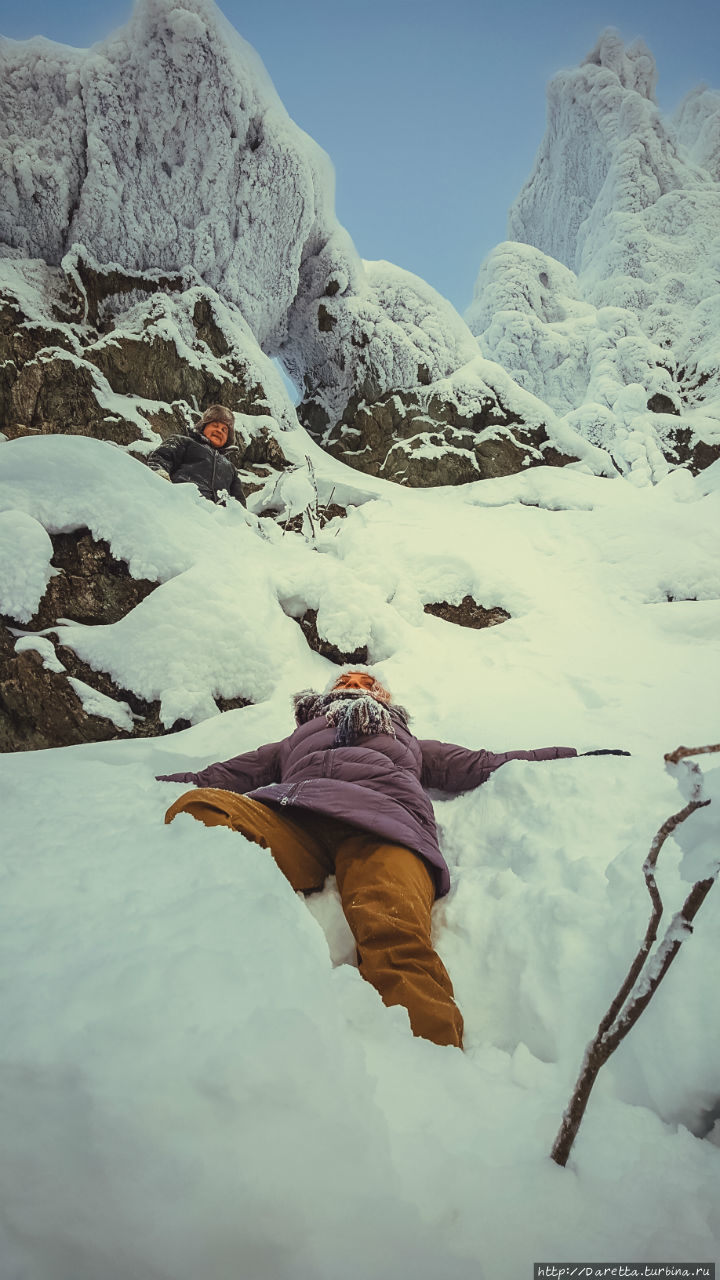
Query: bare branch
680	753
649	864
634	994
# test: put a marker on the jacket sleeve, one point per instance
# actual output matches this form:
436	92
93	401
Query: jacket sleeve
168	455
454	769
242	773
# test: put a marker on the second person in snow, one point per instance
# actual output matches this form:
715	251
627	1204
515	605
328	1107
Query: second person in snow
203	457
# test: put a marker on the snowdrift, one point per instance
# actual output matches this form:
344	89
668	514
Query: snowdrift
195	1077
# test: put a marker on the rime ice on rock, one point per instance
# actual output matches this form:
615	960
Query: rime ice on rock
165	152
697	122
604	302
166	149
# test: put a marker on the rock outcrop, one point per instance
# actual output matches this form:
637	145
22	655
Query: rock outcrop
49	697
422	438
93	351
468	613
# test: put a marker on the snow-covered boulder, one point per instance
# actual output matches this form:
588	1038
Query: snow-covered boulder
604	302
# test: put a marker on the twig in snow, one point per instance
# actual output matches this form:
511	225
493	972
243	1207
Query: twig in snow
681	753
635	993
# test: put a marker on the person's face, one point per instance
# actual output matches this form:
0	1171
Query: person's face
363	682
216	433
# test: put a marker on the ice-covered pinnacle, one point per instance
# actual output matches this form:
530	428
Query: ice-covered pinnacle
633	65
606	150
604	301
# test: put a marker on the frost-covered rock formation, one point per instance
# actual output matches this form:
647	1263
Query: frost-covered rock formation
160	181
165	153
605	301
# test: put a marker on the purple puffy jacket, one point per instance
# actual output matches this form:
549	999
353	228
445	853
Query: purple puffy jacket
377	784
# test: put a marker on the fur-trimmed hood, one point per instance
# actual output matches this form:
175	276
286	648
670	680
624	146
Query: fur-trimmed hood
354	714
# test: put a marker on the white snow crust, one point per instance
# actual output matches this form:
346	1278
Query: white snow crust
25	569
195	1079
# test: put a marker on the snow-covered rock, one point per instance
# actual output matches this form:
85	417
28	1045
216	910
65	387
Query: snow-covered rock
163	160
697	121
132	358
605	301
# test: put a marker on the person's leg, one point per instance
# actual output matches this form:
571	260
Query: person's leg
301	857
387	894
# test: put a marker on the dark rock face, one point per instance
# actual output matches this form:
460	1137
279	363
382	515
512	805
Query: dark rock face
308	624
468	613
55	394
39	708
660	403
688	451
92	586
418	438
259	455
95	284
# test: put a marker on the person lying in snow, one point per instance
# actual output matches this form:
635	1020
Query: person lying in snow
346	794
201	457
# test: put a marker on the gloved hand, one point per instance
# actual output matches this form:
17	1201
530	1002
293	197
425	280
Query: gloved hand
605	751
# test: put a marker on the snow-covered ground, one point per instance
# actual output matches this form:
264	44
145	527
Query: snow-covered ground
194	1079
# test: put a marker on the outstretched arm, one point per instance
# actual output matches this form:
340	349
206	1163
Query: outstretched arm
447	767
242	773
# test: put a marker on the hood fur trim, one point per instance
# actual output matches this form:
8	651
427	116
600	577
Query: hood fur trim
354	714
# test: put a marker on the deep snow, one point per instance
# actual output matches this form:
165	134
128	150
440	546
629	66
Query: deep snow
195	1079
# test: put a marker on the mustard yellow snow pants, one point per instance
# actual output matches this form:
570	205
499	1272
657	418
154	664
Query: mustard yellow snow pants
386	890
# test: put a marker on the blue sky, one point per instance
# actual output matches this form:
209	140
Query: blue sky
430	111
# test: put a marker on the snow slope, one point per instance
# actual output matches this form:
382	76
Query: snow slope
195	1080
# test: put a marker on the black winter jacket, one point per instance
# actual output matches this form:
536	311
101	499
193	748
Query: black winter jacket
192	459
